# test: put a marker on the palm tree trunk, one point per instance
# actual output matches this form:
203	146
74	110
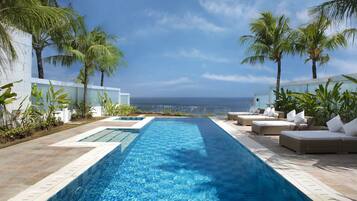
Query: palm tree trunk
102	78
278	75
85	91
314	73
38	52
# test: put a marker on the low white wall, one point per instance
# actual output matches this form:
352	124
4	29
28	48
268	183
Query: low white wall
124	98
19	69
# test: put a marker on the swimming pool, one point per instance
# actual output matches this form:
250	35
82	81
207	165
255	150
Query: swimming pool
181	159
127	118
124	136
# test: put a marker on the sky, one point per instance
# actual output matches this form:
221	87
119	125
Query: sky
190	48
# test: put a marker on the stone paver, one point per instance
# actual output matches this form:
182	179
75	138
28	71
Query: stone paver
25	164
338	171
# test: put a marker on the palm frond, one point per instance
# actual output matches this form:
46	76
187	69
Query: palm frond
254	59
337	9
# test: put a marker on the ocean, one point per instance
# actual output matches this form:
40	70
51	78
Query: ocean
196	106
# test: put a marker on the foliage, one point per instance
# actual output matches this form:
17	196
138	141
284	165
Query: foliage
285	101
88	48
126	110
108	64
7	96
337	9
14	133
78	111
56	99
25	13
112	109
327	102
313	40
271	38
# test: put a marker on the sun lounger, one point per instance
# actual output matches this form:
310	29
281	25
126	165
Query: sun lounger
247	120
318	142
234	115
275	127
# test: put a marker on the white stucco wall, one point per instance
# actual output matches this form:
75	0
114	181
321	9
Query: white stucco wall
19	69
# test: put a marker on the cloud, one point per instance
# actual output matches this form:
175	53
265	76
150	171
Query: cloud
262	68
303	16
344	66
229	8
197	54
169	83
187	21
240	78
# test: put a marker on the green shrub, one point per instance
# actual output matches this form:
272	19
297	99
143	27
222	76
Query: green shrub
112	109
322	105
125	110
285	102
78	111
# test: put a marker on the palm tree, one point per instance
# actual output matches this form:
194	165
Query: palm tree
337	9
21	14
88	48
312	40
53	36
109	64
271	38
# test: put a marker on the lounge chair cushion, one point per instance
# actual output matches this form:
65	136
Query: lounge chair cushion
274	123
271	112
267	111
351	128
314	135
335	124
300	118
241	113
291	116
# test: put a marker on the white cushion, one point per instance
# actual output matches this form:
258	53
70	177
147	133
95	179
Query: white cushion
272	112
267	111
300	118
335	124
273	123
351	128
291	116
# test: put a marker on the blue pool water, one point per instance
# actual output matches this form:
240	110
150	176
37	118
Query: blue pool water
181	159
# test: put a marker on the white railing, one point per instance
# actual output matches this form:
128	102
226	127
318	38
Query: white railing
124	98
75	93
304	86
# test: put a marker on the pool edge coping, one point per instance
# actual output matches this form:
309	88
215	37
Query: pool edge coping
305	182
53	183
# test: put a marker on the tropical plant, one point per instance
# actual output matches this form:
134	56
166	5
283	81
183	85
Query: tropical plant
112	109
109	108
34	113
313	41
87	48
271	39
327	102
55	99
78	111
107	65
285	102
306	102
7	96
55	36
337	9
21	14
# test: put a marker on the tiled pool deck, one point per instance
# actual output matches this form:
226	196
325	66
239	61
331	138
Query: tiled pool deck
24	165
336	171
